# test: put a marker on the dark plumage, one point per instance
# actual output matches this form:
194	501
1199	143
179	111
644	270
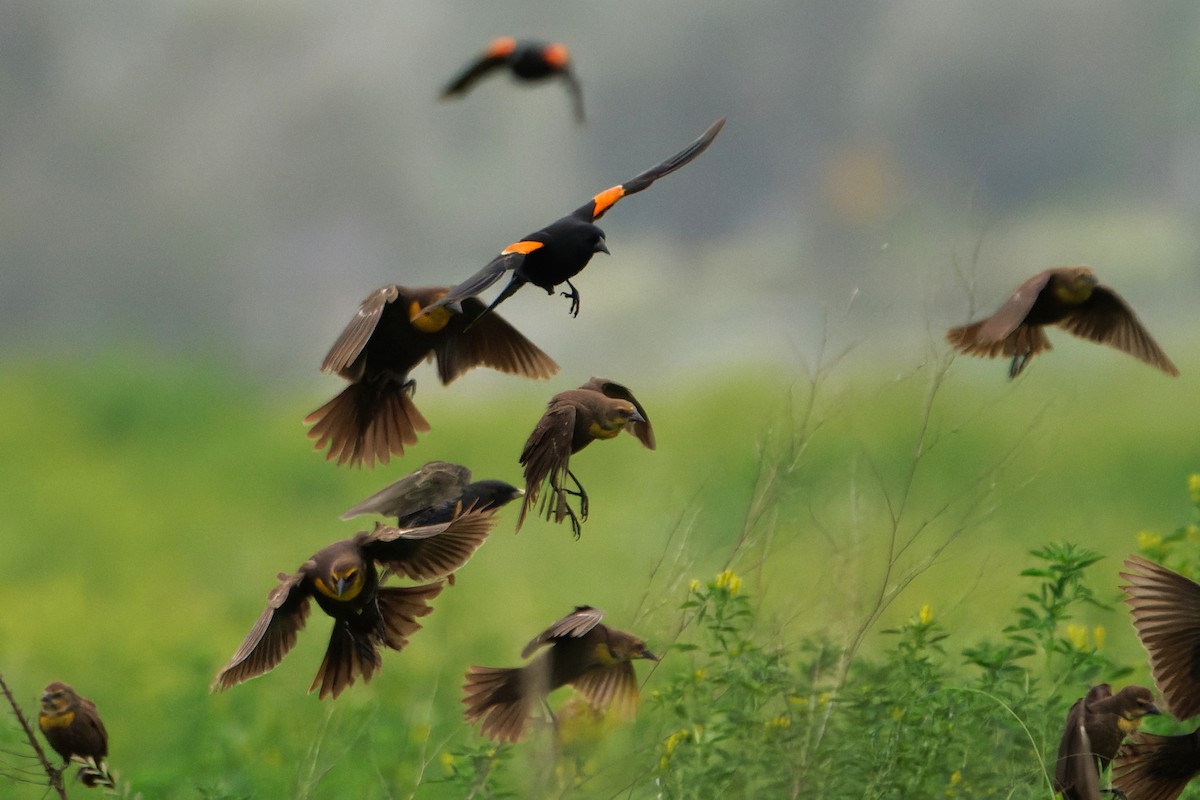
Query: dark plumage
344	581
530	62
594	658
435	493
600	409
374	417
1096	725
73	728
1070	298
559	251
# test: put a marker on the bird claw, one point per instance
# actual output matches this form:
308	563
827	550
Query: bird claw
574	297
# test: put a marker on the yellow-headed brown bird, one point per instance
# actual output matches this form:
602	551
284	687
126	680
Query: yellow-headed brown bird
1096	726
558	252
343	579
435	493
527	61
600	409
594	658
73	728
1070	298
374	417
1166	616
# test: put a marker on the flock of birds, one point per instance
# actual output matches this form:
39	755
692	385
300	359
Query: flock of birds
443	517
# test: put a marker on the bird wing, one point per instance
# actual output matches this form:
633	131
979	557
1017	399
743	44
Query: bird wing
576	92
546	451
574	625
273	634
487	340
509	259
434	483
1152	767
997	327
1107	319
610	688
356	334
487	61
1166	615
643	431
431	551
595	208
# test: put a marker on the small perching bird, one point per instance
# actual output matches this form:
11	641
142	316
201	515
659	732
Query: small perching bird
435	493
593	658
1096	725
528	61
73	728
1072	299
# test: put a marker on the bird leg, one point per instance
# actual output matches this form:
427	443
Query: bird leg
560	509
580	493
574	295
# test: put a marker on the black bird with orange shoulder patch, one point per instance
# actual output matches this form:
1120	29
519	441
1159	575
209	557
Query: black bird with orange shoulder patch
344	581
1096	725
1072	299
73	728
528	61
593	658
599	409
374	418
559	251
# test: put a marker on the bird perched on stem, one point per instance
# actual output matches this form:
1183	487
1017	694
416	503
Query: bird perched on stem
527	61
594	658
559	251
1072	299
599	409
344	581
1166	616
374	417
73	728
1096	725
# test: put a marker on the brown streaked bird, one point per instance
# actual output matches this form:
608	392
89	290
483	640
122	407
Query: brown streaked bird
1166	616
435	493
374	417
344	581
73	728
559	251
527	61
593	658
573	420
1096	725
1072	299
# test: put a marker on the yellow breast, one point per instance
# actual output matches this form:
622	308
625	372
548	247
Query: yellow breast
49	721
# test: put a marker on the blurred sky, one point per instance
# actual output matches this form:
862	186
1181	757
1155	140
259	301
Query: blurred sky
228	180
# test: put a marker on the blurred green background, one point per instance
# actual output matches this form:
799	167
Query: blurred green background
195	196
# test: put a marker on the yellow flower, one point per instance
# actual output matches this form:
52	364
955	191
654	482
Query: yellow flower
447	762
1194	487
1099	635
700	674
673	741
782	721
955	777
926	615
694	586
797	700
729	582
1077	635
823	699
1149	540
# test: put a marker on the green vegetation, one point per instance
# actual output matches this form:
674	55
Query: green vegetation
887	619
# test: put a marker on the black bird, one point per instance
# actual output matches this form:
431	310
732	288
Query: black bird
527	61
559	251
1096	726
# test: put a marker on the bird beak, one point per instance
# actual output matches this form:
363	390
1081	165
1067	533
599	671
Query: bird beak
341	586
1153	709
650	656
636	417
601	247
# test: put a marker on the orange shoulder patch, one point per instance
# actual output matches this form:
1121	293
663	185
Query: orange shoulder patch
556	55
605	200
523	247
501	46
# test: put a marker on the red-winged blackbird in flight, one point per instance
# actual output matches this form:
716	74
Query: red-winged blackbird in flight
594	658
527	61
435	493
600	409
73	728
1166	616
374	417
1096	726
557	252
343	579
1070	298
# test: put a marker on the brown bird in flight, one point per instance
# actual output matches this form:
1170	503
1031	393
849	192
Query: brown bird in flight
594	658
344	581
73	728
559	251
527	61
1070	298
1096	726
374	417
435	493
1166	616
600	409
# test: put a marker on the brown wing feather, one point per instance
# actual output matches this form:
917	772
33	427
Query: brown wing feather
496	699
434	483
366	422
610	688
354	337
429	552
574	625
1166	615
1152	767
1107	319
488	340
273	634
546	452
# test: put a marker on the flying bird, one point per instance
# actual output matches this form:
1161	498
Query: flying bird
527	61
1072	299
1166	616
600	409
374	417
1096	725
435	493
593	658
344	581
559	251
73	728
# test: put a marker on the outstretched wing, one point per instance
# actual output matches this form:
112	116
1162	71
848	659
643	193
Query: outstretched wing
509	259
997	327
435	482
491	59
644	431
546	451
1166	616
1107	319
358	332
576	92
430	552
487	340
574	625
273	634
595	208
